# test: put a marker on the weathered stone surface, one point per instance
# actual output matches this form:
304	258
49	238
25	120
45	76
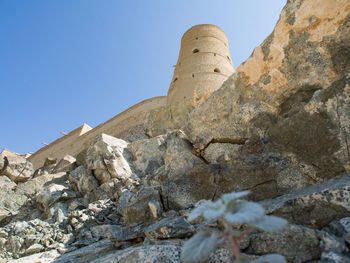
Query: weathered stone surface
137	209
226	115
137	137
89	253
13	202
17	168
83	179
296	243
124	200
132	232
48	167
107	158
6	183
173	227
44	257
148	155
153	253
105	231
54	193
280	124
81	157
333	249
35	248
293	90
169	117
186	178
223	151
315	206
66	164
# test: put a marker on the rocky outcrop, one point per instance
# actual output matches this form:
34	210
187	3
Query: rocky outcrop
315	206
169	117
15	167
293	91
106	158
279	128
144	206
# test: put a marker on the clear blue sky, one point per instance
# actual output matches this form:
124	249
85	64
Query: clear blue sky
68	62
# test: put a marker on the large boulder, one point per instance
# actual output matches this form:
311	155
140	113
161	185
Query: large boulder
15	167
315	206
166	253
54	193
144	206
107	158
292	91
172	227
148	154
185	177
298	244
6	183
83	179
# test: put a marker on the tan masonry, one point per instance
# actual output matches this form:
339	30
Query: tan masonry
122	125
204	64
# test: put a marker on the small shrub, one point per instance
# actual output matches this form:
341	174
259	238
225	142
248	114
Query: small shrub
228	210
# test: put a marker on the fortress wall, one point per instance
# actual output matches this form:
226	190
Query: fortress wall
59	148
127	123
204	63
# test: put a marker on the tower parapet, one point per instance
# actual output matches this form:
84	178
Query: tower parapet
204	63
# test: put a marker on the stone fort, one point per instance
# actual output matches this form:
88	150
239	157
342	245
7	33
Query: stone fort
203	65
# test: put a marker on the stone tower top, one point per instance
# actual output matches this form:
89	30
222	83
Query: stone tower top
204	64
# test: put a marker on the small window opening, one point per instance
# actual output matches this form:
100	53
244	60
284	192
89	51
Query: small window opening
175	79
192	75
214	54
196	38
217	70
196	50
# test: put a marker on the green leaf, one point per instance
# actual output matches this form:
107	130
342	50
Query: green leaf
270	223
199	247
244	212
272	258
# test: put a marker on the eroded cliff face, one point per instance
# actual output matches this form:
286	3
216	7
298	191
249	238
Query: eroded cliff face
293	91
279	127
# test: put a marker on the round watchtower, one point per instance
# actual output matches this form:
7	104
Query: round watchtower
204	64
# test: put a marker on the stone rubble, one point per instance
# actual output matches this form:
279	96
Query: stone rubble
279	127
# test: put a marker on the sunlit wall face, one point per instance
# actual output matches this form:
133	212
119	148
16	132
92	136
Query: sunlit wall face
65	63
204	64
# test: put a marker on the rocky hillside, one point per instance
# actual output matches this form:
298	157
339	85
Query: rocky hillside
279	127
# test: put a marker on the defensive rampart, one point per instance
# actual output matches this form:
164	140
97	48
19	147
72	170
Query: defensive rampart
204	64
123	125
